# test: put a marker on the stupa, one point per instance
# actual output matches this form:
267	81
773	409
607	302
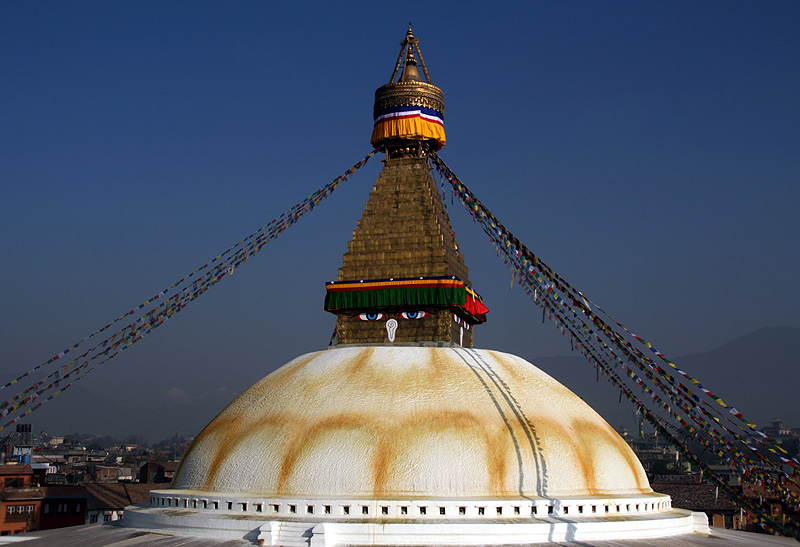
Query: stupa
403	433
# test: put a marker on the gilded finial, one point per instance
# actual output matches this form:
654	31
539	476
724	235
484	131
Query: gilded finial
410	109
410	72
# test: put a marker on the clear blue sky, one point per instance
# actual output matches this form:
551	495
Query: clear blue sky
648	151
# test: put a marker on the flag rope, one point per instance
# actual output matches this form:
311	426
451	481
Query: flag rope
161	307
572	314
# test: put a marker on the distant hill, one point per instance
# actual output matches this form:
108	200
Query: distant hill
155	416
758	373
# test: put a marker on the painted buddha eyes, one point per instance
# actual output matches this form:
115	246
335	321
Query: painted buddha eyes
371	316
461	322
378	315
418	314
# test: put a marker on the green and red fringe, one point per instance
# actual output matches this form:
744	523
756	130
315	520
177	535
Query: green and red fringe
417	292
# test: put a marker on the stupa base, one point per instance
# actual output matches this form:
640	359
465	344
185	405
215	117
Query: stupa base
476	521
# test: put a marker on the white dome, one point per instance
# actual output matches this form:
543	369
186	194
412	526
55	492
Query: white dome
386	422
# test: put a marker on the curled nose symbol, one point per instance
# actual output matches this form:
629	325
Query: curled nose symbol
391	328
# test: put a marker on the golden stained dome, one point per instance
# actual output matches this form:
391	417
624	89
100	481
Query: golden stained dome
410	422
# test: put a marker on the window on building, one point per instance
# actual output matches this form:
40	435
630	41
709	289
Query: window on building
48	508
77	509
10	509
107	517
92	519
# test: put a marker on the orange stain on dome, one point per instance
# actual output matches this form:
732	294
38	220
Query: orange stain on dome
380	410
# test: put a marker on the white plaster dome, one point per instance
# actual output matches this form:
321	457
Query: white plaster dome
384	422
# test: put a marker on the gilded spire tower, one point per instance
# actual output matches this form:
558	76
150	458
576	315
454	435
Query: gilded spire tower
404	279
401	435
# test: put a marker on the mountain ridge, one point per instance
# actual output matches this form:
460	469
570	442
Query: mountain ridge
757	373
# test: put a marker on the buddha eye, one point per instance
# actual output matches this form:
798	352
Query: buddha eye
418	314
457	319
371	316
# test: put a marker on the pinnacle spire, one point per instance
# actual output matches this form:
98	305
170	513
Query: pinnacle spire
403	279
408	46
410	108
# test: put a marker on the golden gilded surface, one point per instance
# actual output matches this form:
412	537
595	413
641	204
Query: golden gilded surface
403	232
410	90
410	93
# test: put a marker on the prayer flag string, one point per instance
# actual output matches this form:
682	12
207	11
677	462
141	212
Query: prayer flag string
157	309
674	401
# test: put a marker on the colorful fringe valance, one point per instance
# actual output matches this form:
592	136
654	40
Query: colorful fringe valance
409	122
396	293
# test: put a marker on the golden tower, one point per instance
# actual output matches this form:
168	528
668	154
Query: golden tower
403	279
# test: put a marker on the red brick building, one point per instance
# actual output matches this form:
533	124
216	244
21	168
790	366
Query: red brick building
63	506
20	500
26	506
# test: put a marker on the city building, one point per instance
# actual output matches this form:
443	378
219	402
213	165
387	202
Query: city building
26	505
20	500
63	506
157	471
780	432
691	492
779	508
107	501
